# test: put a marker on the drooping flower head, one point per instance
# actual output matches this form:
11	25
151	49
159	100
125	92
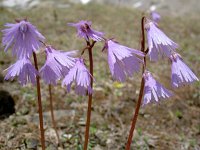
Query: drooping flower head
57	65
158	42
153	90
85	31
81	76
24	70
122	60
181	74
23	37
155	16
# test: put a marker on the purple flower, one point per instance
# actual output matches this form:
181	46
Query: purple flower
24	70
158	42
23	37
81	76
181	73
155	16
153	90
122	60
57	65
85	31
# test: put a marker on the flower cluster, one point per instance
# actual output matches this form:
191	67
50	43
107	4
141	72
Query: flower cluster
25	39
160	44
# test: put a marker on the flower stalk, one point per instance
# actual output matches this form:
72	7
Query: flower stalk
87	128
39	104
52	113
135	116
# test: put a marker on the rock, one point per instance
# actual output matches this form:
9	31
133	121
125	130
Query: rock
23	111
59	114
81	122
51	134
10	135
102	138
67	136
19	121
31	143
51	147
7	104
98	147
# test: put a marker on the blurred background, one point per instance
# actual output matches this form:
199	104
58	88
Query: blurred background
174	124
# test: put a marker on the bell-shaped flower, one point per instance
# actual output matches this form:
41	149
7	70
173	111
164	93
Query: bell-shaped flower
57	65
158	42
122	60
155	16
181	74
23	37
81	76
24	70
153	90
85	31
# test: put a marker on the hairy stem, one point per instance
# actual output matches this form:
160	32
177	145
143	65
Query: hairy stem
87	128
39	104
52	113
135	115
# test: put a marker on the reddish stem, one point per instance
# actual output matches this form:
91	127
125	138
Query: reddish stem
52	114
87	128
135	116
39	104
